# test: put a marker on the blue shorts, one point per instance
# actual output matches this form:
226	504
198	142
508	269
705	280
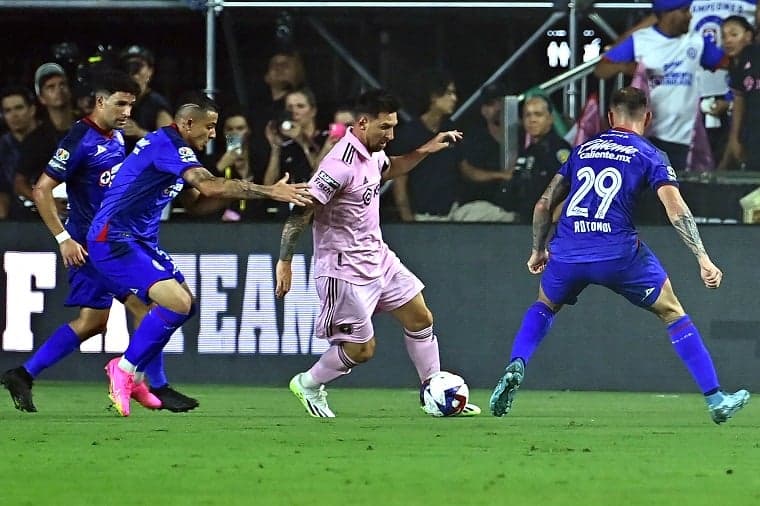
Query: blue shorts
89	288
133	266
638	278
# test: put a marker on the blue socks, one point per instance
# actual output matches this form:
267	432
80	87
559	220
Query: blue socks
63	342
535	325
155	371
151	336
687	342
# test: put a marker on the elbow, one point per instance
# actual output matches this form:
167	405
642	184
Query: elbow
38	195
541	208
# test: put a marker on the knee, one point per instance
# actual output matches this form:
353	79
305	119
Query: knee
85	328
419	321
183	304
360	352
670	315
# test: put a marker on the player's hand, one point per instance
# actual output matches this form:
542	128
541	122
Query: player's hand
711	275
283	274
537	261
297	193
73	253
442	141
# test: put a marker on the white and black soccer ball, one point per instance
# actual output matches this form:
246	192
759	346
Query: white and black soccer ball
444	394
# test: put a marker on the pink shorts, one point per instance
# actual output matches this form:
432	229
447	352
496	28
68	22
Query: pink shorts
346	309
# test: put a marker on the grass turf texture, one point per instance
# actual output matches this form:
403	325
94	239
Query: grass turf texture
257	446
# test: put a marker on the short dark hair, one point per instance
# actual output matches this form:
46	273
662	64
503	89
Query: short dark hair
541	98
375	101
630	101
430	83
13	90
112	81
306	92
741	21
201	105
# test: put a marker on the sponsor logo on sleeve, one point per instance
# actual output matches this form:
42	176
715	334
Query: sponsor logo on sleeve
61	155
671	173
187	155
326	178
563	155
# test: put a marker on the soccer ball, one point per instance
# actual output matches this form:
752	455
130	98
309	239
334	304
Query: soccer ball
444	394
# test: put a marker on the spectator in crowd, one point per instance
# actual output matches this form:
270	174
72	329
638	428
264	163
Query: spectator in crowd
152	110
486	194
19	113
285	72
744	80
296	144
672	55
706	19
538	162
236	163
54	94
430	192
344	115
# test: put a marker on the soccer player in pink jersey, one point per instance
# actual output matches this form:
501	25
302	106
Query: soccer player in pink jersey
356	273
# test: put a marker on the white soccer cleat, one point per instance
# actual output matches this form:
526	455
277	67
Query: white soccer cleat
313	399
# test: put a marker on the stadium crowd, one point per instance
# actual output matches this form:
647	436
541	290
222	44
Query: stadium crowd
286	130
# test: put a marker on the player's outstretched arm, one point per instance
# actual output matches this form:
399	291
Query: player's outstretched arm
213	187
294	227
71	251
683	221
401	165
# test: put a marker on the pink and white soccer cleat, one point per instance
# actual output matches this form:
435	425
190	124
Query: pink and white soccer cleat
120	386
141	393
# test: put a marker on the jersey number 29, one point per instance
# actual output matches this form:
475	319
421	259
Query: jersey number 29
606	184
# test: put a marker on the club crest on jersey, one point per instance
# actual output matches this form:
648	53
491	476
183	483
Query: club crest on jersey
187	155
61	155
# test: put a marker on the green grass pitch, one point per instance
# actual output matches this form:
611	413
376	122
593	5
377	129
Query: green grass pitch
257	446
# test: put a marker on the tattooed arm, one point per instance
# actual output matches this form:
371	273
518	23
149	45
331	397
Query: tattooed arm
543	217
544	209
683	221
210	186
294	226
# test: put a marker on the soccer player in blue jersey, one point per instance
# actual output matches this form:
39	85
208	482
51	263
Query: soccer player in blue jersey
85	160
123	238
596	243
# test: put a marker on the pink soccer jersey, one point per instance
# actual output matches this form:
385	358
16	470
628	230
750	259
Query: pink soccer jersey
348	243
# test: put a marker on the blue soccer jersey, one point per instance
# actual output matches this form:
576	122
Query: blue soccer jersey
85	161
606	176
149	178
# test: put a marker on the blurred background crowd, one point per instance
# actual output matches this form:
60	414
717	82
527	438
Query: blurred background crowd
286	80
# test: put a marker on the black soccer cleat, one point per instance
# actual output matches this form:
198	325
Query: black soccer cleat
174	401
19	384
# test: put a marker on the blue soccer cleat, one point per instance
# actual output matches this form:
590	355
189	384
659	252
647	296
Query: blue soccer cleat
728	406
506	388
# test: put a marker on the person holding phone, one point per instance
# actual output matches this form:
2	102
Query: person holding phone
296	144
236	163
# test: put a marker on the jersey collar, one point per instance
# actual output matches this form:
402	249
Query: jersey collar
92	124
356	143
